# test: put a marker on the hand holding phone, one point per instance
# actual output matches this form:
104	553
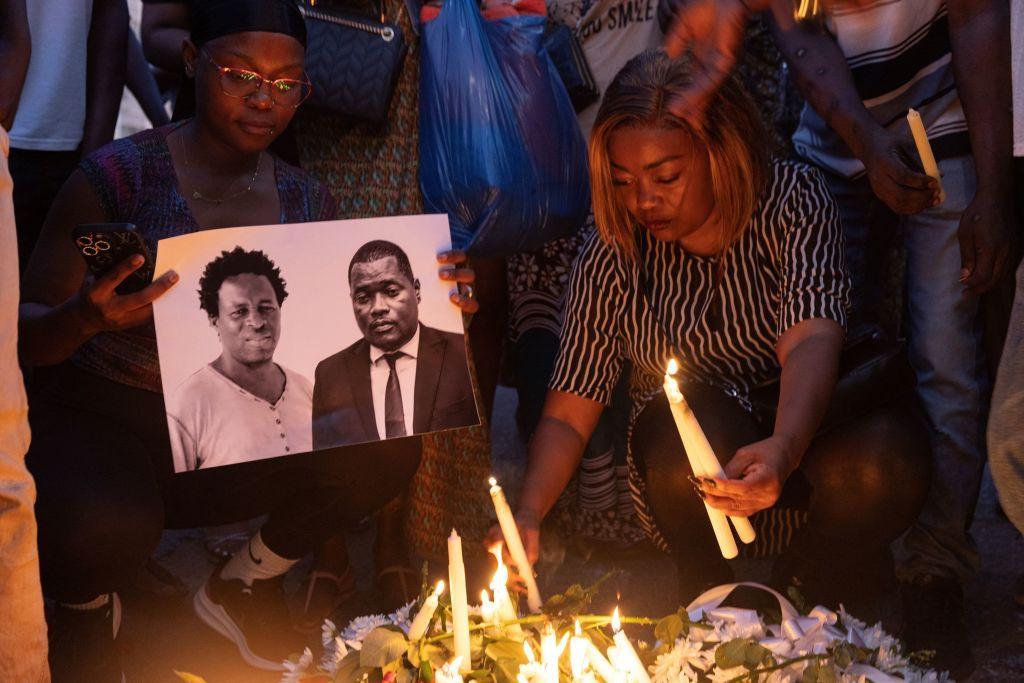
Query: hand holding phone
121	294
104	245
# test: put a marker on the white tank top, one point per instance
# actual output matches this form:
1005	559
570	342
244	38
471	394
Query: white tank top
51	112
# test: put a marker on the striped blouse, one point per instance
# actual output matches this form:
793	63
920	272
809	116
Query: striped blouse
721	320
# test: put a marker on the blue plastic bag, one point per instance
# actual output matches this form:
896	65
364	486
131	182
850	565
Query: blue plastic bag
500	149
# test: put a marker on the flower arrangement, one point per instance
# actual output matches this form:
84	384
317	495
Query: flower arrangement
703	642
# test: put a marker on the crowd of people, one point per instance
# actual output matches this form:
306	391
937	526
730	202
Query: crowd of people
850	335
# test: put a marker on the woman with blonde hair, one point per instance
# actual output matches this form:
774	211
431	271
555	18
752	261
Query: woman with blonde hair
710	252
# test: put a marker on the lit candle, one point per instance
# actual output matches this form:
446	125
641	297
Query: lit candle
510	531
419	624
601	665
487	613
449	672
704	464
625	652
504	611
550	652
924	149
460	607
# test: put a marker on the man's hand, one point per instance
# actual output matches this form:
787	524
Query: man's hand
894	172
756	475
984	237
712	31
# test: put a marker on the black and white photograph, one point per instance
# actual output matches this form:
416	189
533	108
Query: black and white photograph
280	340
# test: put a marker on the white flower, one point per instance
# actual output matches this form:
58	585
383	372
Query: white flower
293	671
682	662
328	632
334	652
360	627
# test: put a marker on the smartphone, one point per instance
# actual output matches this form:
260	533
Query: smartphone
104	245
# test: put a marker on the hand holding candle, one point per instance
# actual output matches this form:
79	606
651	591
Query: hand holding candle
704	464
515	546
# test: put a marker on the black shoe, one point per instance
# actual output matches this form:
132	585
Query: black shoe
254	617
933	611
82	644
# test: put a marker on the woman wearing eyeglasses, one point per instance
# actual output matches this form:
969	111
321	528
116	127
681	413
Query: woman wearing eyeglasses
100	452
709	252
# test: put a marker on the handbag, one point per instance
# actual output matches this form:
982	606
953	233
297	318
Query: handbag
353	61
566	54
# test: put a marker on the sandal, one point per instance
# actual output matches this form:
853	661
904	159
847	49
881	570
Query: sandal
325	592
397	588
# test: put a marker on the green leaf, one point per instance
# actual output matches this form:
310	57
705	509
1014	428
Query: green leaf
506	669
669	629
426	671
576	599
347	668
480	675
817	672
797	598
732	653
505	649
189	678
382	646
756	655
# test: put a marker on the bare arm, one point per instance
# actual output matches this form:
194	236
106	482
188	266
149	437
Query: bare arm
809	355
555	452
164	26
107	51
980	37
825	80
15	50
60	310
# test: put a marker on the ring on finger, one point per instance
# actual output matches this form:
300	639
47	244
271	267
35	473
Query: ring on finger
467	291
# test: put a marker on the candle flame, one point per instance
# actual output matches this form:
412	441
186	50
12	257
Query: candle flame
492	481
673	366
500	577
579	631
529	652
616	623
485	599
439	589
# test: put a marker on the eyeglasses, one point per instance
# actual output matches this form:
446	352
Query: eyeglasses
286	92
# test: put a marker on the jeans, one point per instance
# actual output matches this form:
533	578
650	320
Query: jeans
945	349
22	628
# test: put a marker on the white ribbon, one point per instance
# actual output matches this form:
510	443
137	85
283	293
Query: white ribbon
796	636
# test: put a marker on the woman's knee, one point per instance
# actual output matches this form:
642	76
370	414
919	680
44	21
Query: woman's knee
872	471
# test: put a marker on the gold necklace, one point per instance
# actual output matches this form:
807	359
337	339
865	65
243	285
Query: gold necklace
196	194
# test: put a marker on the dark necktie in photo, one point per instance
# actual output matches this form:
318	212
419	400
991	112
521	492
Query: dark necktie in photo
394	413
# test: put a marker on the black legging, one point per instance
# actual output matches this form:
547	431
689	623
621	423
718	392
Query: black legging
862	483
101	459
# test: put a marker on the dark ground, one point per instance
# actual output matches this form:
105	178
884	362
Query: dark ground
163	635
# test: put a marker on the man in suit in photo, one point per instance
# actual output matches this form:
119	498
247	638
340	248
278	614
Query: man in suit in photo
402	378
